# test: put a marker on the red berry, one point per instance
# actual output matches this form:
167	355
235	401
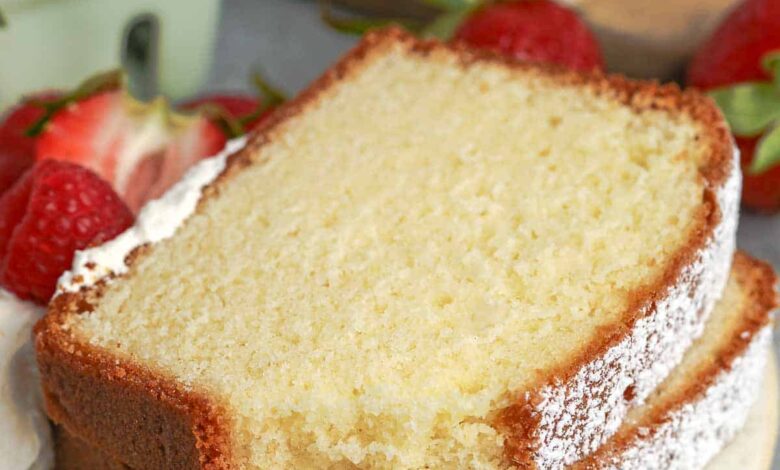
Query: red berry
55	209
733	53
760	192
238	107
535	30
17	150
140	148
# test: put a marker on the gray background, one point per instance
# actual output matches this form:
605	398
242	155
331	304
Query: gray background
286	40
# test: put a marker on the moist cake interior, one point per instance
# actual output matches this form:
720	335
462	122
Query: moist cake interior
404	257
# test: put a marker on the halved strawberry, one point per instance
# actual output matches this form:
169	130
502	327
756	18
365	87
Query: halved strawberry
140	148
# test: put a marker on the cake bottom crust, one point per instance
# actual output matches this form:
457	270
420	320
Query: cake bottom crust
751	449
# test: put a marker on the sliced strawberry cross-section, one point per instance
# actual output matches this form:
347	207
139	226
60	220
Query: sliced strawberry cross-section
140	148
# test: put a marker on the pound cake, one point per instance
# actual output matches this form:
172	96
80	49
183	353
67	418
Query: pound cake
433	257
686	420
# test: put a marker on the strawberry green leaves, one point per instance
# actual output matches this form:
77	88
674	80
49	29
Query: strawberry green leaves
749	107
361	25
453	12
450	5
3	22
753	109
450	14
271	97
768	152
443	26
771	63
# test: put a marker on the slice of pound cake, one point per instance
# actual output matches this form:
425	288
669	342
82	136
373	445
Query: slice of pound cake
431	258
705	401
687	419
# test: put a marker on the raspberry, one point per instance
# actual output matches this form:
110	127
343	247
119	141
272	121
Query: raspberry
55	209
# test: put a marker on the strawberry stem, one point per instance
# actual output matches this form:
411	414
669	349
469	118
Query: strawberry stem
99	83
360	25
231	126
767	153
270	97
771	63
450	5
3	22
443	26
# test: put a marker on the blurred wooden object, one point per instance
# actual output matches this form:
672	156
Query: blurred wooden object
651	38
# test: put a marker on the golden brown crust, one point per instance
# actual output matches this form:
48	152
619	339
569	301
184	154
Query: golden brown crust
79	378
758	280
128	411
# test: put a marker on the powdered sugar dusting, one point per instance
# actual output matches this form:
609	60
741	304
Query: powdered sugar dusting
157	221
694	432
576	417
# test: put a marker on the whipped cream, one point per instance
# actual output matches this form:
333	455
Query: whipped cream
25	435
158	220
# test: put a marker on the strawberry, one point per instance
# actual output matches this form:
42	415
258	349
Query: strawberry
236	113
17	149
535	30
734	51
140	148
236	107
760	191
55	209
740	67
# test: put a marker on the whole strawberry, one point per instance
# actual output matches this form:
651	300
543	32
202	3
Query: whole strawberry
535	30
532	30
236	106
55	209
239	113
734	52
17	149
740	66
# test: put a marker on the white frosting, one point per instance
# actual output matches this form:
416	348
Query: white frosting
25	439
158	220
578	416
696	431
